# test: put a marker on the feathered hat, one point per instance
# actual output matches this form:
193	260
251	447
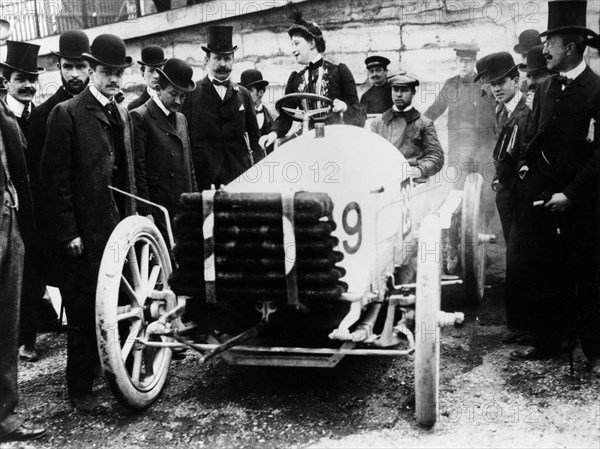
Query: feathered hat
309	30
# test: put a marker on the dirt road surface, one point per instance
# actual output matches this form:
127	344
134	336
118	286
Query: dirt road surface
486	400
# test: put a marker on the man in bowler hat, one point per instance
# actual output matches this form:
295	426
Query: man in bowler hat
378	98
410	132
558	168
21	72
527	40
253	80
163	160
223	128
16	227
89	147
153	58
502	75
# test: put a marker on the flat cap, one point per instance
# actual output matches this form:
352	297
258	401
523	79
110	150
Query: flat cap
402	78
466	50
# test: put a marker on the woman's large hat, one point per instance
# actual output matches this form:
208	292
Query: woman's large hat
219	39
567	17
22	57
303	26
179	73
72	44
109	50
153	56
496	66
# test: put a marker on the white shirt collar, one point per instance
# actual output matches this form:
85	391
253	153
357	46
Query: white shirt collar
406	109
98	96
259	108
15	105
317	58
211	78
151	91
574	73
161	105
513	102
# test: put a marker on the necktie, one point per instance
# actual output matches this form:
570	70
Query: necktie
25	116
112	108
315	65
501	117
565	81
216	82
173	120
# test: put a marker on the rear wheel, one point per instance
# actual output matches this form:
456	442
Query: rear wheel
427	329
134	267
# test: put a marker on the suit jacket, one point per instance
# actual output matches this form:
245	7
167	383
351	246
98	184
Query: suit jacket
21	121
338	82
377	99
414	136
142	99
16	146
507	156
77	167
557	145
163	160
218	130
267	125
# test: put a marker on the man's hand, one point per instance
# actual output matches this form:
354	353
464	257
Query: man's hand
267	140
75	247
339	106
558	203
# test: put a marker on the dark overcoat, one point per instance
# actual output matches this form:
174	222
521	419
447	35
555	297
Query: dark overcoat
339	83
377	99
77	167
142	99
218	131
163	160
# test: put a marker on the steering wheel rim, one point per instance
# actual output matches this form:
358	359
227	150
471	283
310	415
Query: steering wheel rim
300	114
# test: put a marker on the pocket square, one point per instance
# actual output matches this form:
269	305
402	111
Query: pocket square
241	108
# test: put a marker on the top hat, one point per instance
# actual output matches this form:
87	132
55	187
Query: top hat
22	57
497	66
466	50
402	78
153	56
377	61
535	60
527	39
219	39
5	29
594	42
567	17
179	73
72	44
109	50
253	77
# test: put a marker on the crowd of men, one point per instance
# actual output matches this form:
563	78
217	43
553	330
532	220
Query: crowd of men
536	121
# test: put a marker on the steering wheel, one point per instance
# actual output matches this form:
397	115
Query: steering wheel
305	100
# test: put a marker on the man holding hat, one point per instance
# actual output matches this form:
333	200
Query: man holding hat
163	161
378	98
223	129
252	80
410	132
153	58
558	168
21	72
89	147
502	75
17	226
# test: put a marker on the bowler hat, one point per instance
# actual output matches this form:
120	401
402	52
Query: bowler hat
377	61
567	17
480	64
5	29
179	73
72	44
527	39
153	56
497	66
466	50
109	50
402	78
253	77
535	60
219	39
22	57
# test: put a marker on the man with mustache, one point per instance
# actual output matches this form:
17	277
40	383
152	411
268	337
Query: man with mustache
89	147
153	58
222	124
74	73
560	169
378	98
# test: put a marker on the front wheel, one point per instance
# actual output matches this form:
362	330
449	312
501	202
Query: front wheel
135	265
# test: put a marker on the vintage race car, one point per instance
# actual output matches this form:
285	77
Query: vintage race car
307	257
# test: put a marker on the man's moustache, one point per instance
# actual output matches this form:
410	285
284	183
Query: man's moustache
27	91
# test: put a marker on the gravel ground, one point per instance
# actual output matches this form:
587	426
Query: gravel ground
486	400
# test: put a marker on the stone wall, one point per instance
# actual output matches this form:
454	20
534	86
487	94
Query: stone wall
415	35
